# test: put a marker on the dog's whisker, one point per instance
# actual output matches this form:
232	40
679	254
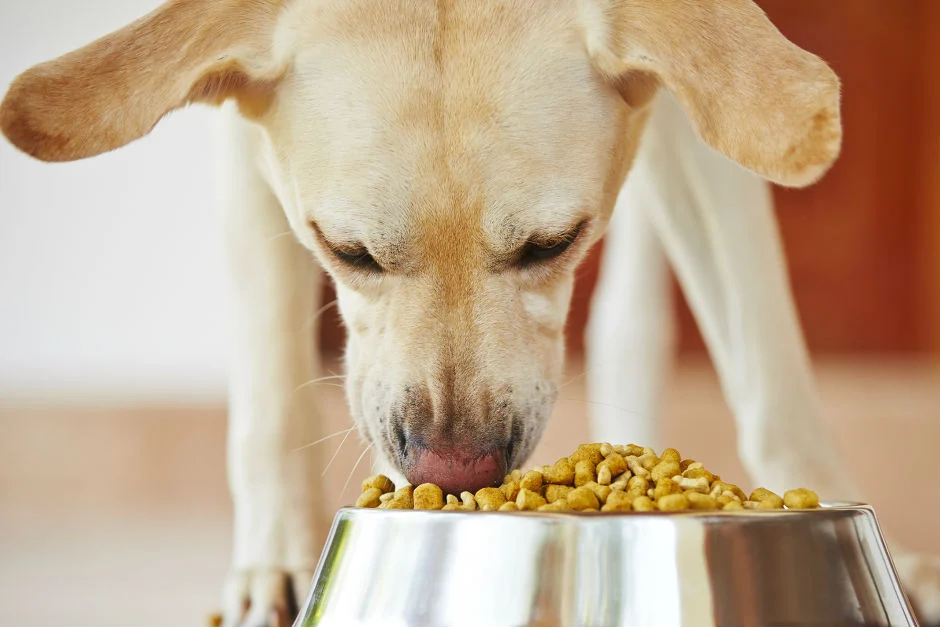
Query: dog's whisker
573	379
338	449
353	471
325	438
584	400
280	235
319	312
319	380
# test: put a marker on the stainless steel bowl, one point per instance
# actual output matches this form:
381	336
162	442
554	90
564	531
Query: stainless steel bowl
826	567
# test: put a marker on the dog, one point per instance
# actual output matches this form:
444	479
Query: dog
448	164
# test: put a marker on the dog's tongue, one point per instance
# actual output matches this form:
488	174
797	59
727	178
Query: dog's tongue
454	473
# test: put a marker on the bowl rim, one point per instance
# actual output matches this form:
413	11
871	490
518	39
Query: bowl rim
824	508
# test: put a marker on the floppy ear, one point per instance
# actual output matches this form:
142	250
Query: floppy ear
116	89
751	94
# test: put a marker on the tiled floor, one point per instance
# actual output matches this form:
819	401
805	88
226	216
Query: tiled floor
121	516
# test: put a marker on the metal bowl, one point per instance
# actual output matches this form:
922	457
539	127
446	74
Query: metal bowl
826	567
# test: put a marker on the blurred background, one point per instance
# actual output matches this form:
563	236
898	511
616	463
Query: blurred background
113	502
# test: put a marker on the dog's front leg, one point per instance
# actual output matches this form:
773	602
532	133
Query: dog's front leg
631	333
718	226
275	489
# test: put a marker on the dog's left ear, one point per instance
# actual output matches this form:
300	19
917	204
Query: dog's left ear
116	89
751	94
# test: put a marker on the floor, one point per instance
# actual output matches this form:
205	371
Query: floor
120	516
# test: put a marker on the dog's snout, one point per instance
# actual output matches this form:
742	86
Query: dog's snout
458	446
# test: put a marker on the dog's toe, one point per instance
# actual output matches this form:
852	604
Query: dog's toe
264	598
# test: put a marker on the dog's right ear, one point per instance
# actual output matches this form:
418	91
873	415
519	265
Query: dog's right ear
750	93
116	89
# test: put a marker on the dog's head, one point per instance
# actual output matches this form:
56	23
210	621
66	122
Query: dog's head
449	162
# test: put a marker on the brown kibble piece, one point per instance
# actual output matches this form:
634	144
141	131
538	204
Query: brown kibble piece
665	487
509	507
648	460
732	506
531	480
618	502
603	475
556	492
633	463
582	498
405	495
388	496
452	507
589	452
673	503
724	499
699	484
383	483
699	473
369	498
720	487
672	455
620	483
638	484
511	490
214	620
664	469
468	501
396	503
801	498
529	500
606	449
490	499
428	496
768	499
583	472
701	501
600	491
643	504
562	473
616	463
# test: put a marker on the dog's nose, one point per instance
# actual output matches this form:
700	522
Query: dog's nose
453	469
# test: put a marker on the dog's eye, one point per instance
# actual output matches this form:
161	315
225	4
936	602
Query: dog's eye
358	258
538	251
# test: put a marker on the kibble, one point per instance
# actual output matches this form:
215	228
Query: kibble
428	496
490	499
529	500
801	498
596	477
371	497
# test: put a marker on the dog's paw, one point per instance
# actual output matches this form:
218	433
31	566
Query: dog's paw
264	598
920	578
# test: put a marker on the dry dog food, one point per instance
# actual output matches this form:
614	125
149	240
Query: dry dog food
596	477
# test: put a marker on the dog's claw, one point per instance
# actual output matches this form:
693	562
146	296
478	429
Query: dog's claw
264	598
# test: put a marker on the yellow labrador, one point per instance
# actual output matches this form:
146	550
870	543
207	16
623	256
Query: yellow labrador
448	163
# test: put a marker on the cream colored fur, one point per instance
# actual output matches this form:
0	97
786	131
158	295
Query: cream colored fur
441	137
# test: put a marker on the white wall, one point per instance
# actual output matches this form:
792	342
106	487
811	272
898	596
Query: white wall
110	269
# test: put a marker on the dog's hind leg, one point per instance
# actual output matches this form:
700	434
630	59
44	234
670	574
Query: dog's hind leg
631	332
717	224
274	286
